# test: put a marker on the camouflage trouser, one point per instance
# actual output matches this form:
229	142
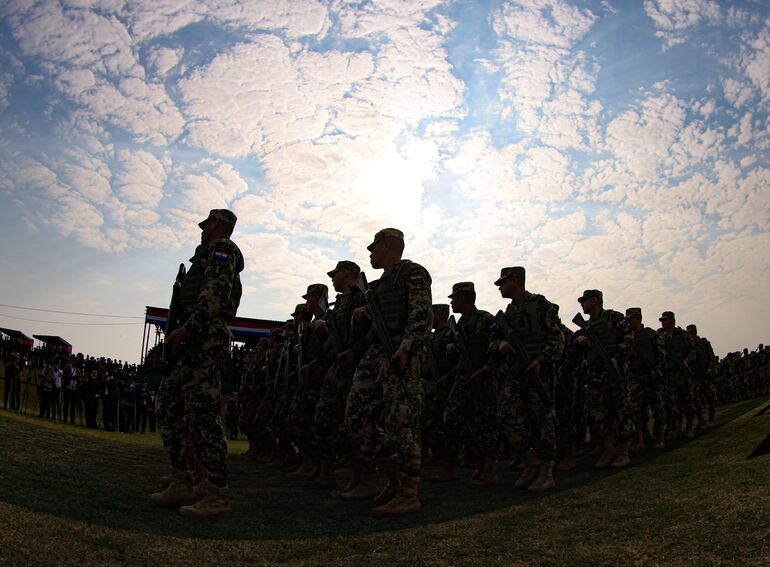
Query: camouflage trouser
705	393
188	405
329	415
247	411
679	397
523	418
301	412
380	418
470	416
646	398
433	402
606	406
263	415
565	402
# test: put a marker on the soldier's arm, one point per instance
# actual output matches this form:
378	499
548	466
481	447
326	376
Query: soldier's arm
420	311
554	343
660	353
216	287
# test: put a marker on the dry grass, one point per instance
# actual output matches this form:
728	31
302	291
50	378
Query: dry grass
71	496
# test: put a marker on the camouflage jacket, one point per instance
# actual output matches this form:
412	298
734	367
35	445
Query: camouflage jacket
216	270
476	329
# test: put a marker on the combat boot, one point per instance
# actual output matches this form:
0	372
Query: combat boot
215	504
178	493
325	478
447	472
609	453
622	459
674	431
567	462
638	446
701	421
689	431
530	472
660	440
391	470
488	476
712	415
405	502
544	480
307	470
166	479
355	478
366	486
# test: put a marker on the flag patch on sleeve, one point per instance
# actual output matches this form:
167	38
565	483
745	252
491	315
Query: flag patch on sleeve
416	278
221	255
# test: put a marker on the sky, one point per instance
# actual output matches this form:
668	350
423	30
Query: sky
618	145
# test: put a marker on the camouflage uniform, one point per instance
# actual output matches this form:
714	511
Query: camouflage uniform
471	409
680	355
705	392
188	400
606	401
330	409
524	420
379	416
646	387
435	393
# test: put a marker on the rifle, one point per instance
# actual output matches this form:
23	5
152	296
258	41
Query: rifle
598	350
334	342
525	360
173	322
378	322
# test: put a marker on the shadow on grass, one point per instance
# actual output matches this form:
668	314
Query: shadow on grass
108	482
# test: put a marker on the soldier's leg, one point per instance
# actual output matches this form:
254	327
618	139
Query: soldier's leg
487	432
364	406
454	427
171	417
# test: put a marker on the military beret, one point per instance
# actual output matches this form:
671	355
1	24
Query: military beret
384	233
516	271
692	327
315	288
589	293
462	287
300	309
440	307
634	312
345	265
220	214
667	315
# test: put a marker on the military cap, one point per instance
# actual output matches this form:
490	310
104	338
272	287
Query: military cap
516	271
589	293
667	315
221	214
300	309
440	307
345	265
315	288
462	287
633	312
692	327
384	233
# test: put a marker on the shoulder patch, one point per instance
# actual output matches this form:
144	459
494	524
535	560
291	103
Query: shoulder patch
222	254
416	277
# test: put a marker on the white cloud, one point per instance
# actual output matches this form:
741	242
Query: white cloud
673	18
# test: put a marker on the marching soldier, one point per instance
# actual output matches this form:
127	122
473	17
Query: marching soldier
680	355
188	399
606	389
382	415
646	389
528	345
705	389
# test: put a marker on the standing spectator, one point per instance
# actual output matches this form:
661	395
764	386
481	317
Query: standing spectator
109	398
231	416
151	410
71	393
44	390
12	382
56	391
90	392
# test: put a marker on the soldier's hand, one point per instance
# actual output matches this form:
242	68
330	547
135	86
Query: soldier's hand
361	314
346	356
451	348
295	350
305	368
614	362
401	357
319	325
583	341
177	338
480	374
443	379
535	366
506	348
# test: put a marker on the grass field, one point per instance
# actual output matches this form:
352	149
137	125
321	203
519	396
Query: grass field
73	496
